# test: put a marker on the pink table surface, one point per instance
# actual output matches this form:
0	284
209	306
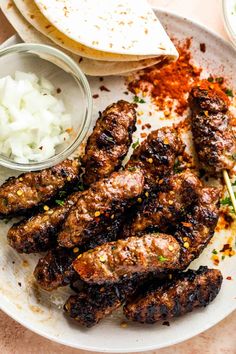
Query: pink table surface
221	339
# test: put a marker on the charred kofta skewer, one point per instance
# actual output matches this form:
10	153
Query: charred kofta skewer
113	261
162	210
39	233
213	135
109	142
97	207
183	294
19	195
197	228
93	303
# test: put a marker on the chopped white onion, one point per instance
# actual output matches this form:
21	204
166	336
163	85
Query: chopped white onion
33	122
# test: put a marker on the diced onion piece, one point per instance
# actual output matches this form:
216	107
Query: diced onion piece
33	122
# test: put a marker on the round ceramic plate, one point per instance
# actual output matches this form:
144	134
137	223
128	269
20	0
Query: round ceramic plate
42	312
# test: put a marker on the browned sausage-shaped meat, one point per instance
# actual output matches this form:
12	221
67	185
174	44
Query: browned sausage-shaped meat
198	226
109	142
157	155
163	210
190	290
94	303
213	136
114	261
97	207
39	232
20	194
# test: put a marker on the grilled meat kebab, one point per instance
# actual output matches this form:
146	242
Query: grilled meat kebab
109	142
189	290
120	259
93	303
164	209
39	232
117	122
97	207
198	226
213	136
20	194
157	154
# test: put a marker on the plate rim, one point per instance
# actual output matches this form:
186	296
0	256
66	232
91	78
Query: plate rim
205	326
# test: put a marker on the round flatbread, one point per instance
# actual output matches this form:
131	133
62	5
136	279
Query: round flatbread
90	67
33	15
116	26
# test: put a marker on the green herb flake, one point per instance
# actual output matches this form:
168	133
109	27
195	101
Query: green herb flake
81	187
214	251
234	183
223	257
162	258
62	194
59	202
210	79
138	100
220	80
132	168
177	166
229	92
134	145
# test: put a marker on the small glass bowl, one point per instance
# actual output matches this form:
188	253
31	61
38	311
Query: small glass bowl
229	13
72	87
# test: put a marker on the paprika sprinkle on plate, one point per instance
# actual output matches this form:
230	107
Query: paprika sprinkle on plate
165	83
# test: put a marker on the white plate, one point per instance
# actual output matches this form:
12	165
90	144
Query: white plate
41	312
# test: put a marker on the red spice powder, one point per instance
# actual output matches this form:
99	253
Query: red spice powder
167	82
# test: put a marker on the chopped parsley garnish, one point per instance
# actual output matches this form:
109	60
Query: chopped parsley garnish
162	258
234	183
138	100
177	166
220	80
214	251
227	202
62	194
134	145
59	202
132	168
81	187
229	92
210	79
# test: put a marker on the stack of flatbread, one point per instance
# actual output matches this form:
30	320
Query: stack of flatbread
106	37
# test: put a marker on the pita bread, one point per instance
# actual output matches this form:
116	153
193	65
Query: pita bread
32	14
90	67
116	26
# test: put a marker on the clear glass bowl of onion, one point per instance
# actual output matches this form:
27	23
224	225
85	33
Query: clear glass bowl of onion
42	92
